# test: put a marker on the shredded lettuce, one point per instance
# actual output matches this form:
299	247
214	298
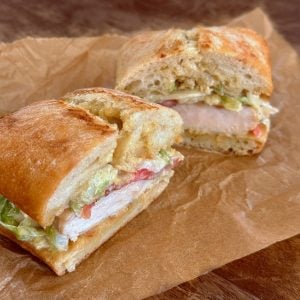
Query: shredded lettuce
2	204
26	229
9	214
27	233
262	107
170	155
165	156
217	96
231	103
94	188
59	241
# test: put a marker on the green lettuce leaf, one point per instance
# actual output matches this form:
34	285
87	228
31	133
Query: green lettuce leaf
56	240
261	106
2	203
165	156
26	229
10	214
11	228
231	103
26	233
94	188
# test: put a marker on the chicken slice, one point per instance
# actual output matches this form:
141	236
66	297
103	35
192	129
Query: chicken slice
71	225
212	119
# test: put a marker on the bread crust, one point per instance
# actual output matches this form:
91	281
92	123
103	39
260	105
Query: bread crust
237	44
227	144
62	262
127	101
242	44
40	145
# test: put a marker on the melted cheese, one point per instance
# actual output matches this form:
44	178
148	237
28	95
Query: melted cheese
184	96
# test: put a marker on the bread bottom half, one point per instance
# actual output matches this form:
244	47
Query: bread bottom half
226	144
62	262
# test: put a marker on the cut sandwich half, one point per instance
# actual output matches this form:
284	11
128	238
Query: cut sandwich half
218	79
63	194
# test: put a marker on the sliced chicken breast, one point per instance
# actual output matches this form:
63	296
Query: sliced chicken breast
71	225
212	119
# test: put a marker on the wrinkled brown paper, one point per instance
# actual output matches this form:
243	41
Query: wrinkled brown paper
216	208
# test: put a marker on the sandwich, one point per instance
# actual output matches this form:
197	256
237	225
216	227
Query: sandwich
217	78
64	183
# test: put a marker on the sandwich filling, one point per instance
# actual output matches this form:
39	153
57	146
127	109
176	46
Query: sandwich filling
105	194
216	112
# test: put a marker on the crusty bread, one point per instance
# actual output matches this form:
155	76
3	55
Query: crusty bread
227	144
160	61
160	65
46	148
61	262
145	128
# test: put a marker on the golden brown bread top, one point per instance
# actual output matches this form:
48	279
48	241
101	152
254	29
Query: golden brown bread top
39	145
244	45
125	100
241	43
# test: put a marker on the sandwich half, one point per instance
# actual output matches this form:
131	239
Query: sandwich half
62	193
217	78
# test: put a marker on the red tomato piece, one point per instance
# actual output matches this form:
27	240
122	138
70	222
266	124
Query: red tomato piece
257	131
87	211
169	103
143	174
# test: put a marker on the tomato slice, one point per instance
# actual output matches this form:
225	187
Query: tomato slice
169	103
87	211
175	162
257	131
143	174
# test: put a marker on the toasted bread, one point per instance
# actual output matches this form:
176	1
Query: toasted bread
46	148
145	128
160	61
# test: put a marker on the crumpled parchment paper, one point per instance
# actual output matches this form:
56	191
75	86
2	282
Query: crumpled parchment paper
215	210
